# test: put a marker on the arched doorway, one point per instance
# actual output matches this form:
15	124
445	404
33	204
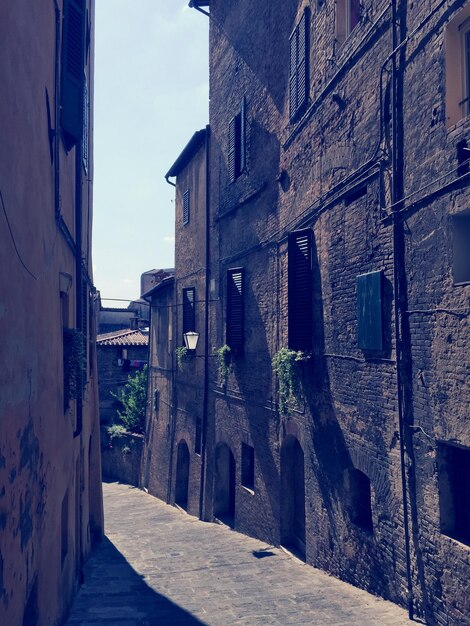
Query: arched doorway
182	475
293	496
224	485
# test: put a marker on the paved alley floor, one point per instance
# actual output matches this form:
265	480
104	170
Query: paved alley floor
159	566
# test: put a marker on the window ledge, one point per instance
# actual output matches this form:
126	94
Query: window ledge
250	491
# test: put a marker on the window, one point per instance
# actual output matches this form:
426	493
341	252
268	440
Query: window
299	78
237	144
64	540
85	132
460	224
235	310
454	491
189	313
357	486
300	296
186	207
457	50
248	466
369	311
348	15
73	61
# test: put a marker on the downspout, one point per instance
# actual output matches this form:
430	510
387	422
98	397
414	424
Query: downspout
205	402
78	266
173	407
167	178
397	195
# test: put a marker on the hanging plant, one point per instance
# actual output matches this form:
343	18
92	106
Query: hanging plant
224	361
181	353
285	366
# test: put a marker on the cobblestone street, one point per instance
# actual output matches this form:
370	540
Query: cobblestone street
159	566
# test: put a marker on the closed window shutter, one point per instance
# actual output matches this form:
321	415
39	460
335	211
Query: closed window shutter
293	73
73	59
189	316
302	62
85	127
300	297
186	197
235	310
298	65
242	135
231	150
369	311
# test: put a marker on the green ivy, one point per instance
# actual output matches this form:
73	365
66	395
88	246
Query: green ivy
224	361
74	365
134	402
285	366
181	353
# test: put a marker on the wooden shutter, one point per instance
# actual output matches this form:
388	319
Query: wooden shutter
293	72
85	127
242	135
369	311
235	310
302	61
300	296
189	315
231	150
73	59
298	65
186	197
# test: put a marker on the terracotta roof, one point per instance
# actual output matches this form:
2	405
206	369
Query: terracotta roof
125	337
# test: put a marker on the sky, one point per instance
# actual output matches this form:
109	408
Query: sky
151	95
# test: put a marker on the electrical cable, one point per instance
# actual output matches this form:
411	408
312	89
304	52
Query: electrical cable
13	240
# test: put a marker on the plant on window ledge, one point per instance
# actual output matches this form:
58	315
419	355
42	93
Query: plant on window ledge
74	365
224	361
181	353
285	365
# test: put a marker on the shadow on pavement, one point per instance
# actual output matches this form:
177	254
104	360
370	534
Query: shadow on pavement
114	594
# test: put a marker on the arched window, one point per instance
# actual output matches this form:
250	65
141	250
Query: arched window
357	486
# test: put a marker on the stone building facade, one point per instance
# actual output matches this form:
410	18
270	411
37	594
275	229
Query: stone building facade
338	233
50	488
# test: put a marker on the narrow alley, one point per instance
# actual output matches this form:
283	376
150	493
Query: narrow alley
157	565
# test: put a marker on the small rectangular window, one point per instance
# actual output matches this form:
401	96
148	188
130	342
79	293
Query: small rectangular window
299	78
248	466
369	311
186	207
348	15
300	295
237	144
64	541
460	224
457	68
235	310
189	313
454	491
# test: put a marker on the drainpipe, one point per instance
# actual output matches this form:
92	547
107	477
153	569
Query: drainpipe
78	264
397	195
167	178
206	335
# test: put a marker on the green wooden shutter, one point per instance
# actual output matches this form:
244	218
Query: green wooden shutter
300	296
189	313
186	199
293	44
302	61
73	59
231	150
242	135
369	311
235	310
